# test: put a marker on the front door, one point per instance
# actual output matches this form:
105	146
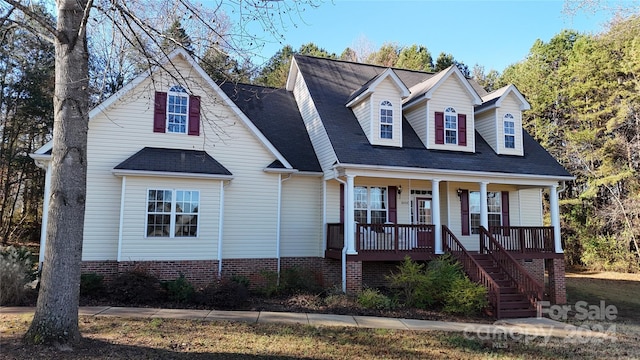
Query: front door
423	217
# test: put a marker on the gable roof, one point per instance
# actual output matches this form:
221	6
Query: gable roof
495	98
181	53
163	162
370	86
425	89
331	82
275	113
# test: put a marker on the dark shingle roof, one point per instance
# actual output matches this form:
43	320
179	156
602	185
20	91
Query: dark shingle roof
173	160
331	82
275	113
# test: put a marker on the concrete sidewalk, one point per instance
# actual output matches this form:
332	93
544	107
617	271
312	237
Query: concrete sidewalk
525	327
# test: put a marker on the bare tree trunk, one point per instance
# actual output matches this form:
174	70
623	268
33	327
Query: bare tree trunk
56	317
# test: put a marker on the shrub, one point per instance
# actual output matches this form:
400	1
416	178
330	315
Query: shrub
373	299
16	270
442	272
223	294
136	287
242	280
269	285
91	285
296	280
413	283
179	290
465	297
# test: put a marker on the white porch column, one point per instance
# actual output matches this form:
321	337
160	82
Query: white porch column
435	214
484	215
555	217
349	220
45	212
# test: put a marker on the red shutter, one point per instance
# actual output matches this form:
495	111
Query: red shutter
464	212
462	129
194	115
342	203
439	128
160	112
505	211
393	207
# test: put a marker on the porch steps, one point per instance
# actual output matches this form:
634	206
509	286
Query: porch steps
513	304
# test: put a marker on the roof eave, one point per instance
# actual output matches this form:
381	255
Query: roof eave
167	174
459	173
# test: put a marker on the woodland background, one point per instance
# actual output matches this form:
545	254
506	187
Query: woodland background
584	91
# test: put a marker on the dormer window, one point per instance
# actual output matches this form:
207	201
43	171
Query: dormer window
509	132
386	120
450	126
177	105
176	112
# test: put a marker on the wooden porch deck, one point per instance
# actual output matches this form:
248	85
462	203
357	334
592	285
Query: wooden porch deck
392	242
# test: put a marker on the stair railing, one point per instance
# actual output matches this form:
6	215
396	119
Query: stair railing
525	283
471	266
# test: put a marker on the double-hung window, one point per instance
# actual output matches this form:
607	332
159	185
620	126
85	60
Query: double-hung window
386	120
494	210
509	132
450	126
370	205
177	110
172	213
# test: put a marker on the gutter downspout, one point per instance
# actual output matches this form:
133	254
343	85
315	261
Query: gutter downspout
122	202
344	241
45	212
220	228
279	220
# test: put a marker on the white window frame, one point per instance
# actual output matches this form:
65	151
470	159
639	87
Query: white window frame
177	110
494	210
363	196
509	128
450	126
386	120
174	212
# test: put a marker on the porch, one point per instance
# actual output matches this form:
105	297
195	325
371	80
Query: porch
393	242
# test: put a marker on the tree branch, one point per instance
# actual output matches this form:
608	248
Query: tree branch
36	17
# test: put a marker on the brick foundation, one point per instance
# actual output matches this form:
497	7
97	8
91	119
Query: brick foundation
106	268
535	267
354	277
197	272
374	274
557	289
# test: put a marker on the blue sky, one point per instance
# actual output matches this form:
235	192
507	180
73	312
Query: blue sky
490	33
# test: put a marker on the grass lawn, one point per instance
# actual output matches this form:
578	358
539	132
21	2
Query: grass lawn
118	338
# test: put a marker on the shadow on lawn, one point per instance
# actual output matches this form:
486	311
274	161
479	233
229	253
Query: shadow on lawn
98	349
623	294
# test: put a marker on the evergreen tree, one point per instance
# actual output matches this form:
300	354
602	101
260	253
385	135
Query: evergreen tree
26	121
386	56
221	67
276	70
349	55
176	37
415	57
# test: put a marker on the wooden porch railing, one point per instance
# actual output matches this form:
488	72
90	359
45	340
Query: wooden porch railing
396	238
526	284
473	269
524	239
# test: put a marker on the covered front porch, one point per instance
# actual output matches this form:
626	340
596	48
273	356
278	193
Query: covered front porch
393	242
382	220
386	219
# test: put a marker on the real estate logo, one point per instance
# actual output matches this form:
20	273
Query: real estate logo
578	323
